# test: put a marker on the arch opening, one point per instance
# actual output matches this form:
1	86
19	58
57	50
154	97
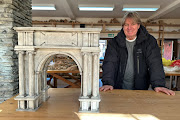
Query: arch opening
62	72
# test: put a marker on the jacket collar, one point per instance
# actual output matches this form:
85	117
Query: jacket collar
141	36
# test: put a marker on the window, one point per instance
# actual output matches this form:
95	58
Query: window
102	45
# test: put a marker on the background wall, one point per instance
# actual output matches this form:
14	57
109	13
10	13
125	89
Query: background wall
110	28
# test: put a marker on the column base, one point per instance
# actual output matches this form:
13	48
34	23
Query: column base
89	105
28	103
83	111
45	95
29	110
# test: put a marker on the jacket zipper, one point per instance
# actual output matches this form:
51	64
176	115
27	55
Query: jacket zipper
126	57
138	64
120	67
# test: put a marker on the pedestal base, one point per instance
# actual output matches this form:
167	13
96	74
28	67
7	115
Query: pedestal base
90	105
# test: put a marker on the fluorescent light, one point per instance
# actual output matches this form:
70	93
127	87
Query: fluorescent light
96	7
140	7
43	7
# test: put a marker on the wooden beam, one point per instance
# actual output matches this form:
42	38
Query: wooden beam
68	9
172	6
58	71
67	81
72	77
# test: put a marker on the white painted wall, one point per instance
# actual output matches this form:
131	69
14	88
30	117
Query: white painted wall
95	20
110	28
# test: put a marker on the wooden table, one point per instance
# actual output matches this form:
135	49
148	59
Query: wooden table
172	74
63	104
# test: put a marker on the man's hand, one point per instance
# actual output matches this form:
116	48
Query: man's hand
106	88
164	90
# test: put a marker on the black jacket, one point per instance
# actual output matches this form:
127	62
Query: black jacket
148	66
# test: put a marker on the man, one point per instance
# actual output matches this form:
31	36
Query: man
133	59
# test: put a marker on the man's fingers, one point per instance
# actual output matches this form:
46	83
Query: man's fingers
172	92
157	90
106	88
164	90
101	88
111	88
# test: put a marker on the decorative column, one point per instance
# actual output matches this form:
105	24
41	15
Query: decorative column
21	79
95	99
31	103
45	86
31	74
85	74
84	98
95	88
45	79
37	86
90	74
37	79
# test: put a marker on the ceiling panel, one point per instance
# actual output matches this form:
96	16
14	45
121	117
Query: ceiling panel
117	13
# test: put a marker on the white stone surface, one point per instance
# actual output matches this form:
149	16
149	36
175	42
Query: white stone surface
40	45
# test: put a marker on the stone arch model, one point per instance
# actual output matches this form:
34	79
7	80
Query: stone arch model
36	45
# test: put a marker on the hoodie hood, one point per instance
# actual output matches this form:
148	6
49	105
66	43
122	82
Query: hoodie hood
142	35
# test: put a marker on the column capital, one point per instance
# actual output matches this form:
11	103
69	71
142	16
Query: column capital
85	53
20	52
95	53
30	52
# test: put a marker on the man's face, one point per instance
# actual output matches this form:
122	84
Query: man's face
130	28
